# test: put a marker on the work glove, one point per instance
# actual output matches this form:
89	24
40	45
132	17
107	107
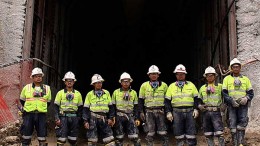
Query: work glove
169	116
195	113
234	103
243	100
86	125
142	116
137	122
58	122
202	107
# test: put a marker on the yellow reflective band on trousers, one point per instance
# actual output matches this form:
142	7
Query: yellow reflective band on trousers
236	92
212	99
38	104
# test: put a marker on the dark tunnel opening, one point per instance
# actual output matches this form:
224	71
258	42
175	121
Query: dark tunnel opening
130	36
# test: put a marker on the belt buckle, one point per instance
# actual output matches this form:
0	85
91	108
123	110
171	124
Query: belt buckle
215	109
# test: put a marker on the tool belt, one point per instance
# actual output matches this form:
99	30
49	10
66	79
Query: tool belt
123	114
99	115
68	114
155	109
183	110
213	109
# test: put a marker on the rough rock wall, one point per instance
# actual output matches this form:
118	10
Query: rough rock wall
12	16
248	31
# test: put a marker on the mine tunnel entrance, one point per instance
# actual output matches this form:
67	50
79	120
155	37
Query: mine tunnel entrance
111	37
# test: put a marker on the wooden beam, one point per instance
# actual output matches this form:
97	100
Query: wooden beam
232	30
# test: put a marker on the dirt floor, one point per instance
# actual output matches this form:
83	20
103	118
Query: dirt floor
9	136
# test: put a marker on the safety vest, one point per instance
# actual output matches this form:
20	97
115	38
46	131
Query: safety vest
33	102
236	92
65	103
98	104
123	104
182	97
153	97
211	99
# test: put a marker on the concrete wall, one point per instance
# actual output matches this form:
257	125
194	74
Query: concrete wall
248	31
12	13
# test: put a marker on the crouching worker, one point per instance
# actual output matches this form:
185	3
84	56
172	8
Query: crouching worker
98	114
68	105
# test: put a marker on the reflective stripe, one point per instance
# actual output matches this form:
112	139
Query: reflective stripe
208	133
23	98
177	104
26	137
93	139
86	105
150	133
108	139
120	136
236	90
33	99
56	102
190	136
72	138
154	104
182	95
162	132
218	132
133	136
233	130
180	137
42	138
62	139
240	127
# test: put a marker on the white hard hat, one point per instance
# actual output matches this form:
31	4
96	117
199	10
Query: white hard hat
36	71
69	75
210	70
96	78
180	68
153	69
125	75
234	61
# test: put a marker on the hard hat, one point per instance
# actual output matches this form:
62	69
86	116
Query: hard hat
36	71
180	68
69	75
96	78
234	61
153	69
125	75
210	70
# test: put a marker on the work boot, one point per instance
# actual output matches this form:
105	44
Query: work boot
234	139
43	144
210	141
149	141
92	144
241	136
25	144
180	142
221	141
59	144
191	141
165	140
136	142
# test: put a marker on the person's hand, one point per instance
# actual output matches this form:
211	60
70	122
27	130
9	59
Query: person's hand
202	107
195	113
86	125
111	122
58	122
234	103
243	100
137	122
169	116
142	116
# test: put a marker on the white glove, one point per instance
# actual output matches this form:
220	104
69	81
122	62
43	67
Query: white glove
234	103
243	100
169	116
195	113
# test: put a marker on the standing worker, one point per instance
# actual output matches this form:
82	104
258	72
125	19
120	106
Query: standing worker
68	105
210	100
151	103
125	101
35	99
180	104
238	92
99	113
